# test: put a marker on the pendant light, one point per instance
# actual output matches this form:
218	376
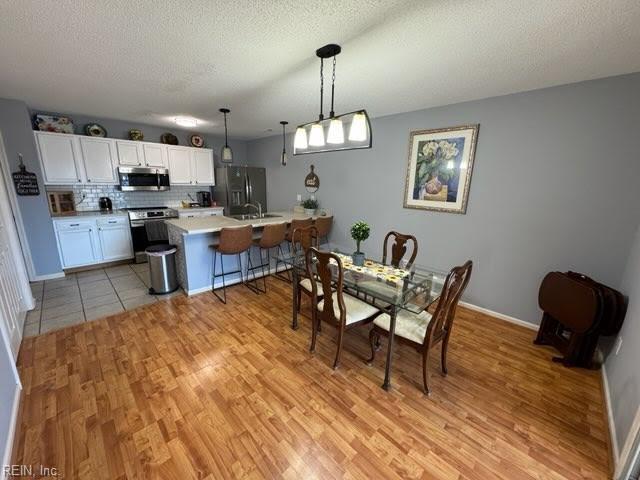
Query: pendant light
310	137
283	156
226	155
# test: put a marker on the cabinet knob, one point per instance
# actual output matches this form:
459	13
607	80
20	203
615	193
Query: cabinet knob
139	163
88	179
79	180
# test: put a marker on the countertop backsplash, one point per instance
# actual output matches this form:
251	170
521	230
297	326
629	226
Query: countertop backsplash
92	193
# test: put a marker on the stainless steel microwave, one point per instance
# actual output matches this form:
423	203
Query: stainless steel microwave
143	178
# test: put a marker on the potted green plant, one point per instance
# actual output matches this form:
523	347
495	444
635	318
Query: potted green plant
359	232
310	205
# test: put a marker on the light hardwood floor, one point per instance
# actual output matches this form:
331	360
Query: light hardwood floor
191	388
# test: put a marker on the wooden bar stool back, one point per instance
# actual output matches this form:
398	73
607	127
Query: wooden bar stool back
324	224
233	241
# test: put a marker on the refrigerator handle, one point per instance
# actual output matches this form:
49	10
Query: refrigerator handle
250	189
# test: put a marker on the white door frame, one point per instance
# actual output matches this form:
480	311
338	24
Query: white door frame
630	451
5	350
5	171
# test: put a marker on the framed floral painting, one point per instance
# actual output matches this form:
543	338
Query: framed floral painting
440	167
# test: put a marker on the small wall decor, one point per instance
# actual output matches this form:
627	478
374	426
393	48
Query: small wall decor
53	123
440	167
26	183
135	134
311	181
95	130
196	141
169	139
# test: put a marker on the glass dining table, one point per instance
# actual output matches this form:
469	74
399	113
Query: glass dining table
413	288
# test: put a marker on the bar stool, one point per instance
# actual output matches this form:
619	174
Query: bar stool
233	241
272	237
324	224
296	224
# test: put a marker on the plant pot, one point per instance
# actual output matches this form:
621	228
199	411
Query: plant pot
358	259
310	211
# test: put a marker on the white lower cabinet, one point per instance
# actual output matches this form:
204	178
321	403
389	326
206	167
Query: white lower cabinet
93	240
76	241
115	239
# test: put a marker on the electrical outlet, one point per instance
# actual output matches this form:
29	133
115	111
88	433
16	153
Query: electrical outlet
618	345
299	197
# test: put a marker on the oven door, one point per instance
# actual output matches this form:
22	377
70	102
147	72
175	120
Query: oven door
139	178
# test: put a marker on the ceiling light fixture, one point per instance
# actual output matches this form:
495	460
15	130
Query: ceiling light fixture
310	137
283	156
186	121
226	155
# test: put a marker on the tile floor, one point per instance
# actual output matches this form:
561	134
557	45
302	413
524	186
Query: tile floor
85	296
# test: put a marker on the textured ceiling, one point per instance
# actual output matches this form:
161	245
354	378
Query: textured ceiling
149	61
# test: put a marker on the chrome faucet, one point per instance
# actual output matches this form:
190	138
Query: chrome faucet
258	208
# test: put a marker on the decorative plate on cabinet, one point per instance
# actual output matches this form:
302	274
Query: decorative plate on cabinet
135	134
95	130
53	123
169	139
197	141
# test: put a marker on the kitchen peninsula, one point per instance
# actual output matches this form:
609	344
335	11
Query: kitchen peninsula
193	237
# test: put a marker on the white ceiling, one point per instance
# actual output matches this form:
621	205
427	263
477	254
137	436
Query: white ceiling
150	61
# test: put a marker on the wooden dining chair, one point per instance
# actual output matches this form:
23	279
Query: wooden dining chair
301	241
424	330
399	248
339	309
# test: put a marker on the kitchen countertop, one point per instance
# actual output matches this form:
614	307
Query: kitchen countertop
193	226
89	213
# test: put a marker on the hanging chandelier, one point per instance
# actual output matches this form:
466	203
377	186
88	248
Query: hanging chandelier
328	134
226	154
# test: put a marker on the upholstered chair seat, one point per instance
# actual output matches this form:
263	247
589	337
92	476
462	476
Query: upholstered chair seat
356	310
408	325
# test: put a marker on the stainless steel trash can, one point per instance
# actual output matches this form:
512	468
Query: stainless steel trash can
162	268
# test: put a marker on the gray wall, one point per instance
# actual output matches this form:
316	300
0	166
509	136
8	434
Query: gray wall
554	188
623	370
16	130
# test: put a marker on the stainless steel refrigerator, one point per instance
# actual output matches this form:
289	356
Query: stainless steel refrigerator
237	186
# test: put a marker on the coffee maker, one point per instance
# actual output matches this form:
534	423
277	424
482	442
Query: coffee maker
204	198
105	204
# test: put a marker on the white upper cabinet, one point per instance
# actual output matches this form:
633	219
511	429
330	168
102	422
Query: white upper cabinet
59	158
71	159
190	166
179	165
154	155
130	153
98	158
202	167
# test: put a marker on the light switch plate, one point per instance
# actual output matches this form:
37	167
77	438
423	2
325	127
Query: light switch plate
299	197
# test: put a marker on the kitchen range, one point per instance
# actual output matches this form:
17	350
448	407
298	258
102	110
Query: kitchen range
148	228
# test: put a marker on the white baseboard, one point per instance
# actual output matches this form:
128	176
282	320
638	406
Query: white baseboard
51	276
609	409
13	423
500	316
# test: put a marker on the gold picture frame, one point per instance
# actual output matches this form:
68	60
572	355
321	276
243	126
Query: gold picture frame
440	167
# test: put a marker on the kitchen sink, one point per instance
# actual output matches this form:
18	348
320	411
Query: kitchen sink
254	216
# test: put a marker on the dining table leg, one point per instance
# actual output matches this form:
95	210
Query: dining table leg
387	368
294	312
